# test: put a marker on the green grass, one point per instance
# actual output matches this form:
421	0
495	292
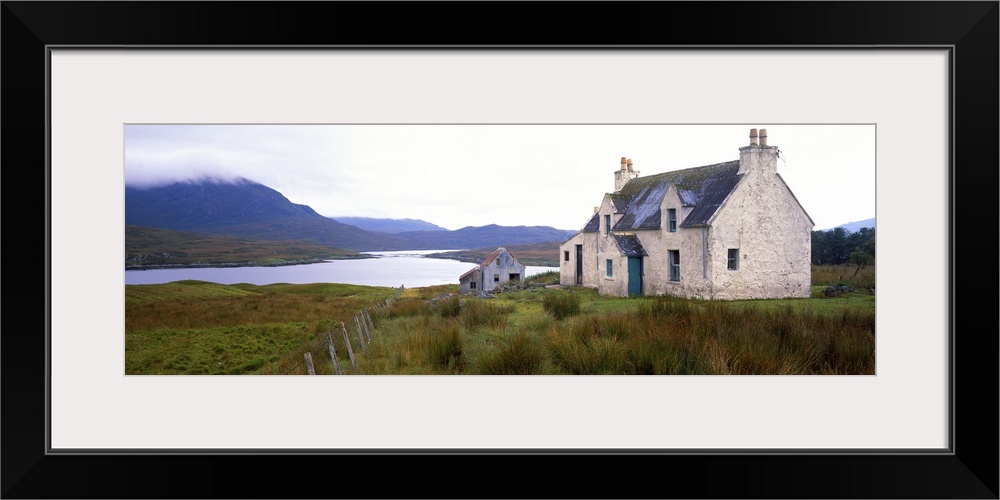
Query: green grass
152	248
194	327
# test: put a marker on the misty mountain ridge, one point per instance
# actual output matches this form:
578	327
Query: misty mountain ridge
208	203
247	209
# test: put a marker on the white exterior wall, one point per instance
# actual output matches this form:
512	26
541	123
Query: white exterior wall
607	248
464	283
567	269
505	267
774	237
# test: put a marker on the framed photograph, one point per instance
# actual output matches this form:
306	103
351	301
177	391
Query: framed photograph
915	82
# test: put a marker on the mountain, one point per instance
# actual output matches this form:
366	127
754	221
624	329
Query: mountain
242	209
209	204
855	226
391	226
246	209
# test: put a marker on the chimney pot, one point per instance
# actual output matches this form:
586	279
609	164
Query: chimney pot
596	209
623	163
629	164
753	137
763	137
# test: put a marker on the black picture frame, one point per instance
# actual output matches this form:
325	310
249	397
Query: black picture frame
969	28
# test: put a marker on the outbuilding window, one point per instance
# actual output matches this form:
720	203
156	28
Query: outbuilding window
675	265
566	255
733	261
609	264
472	285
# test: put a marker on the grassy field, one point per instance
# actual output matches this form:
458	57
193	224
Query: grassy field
149	248
195	327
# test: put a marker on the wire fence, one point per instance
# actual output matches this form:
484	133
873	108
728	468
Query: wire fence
364	327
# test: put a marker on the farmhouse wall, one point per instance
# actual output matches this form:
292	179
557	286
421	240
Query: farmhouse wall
765	222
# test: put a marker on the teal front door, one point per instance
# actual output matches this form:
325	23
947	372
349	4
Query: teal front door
635	276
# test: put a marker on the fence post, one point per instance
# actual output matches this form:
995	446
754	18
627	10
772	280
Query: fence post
309	364
350	352
361	338
333	353
364	323
357	324
368	316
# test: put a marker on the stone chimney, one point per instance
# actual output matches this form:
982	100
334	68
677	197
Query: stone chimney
624	174
758	157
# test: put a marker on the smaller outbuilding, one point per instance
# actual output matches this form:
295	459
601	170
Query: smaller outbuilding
500	267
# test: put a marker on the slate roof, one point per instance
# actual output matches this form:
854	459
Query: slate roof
630	245
703	188
620	203
593	225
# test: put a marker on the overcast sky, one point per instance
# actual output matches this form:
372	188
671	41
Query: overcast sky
472	175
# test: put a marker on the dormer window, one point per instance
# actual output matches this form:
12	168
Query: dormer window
672	220
607	225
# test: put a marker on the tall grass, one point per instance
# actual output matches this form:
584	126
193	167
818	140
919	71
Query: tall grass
477	313
516	353
199	328
561	305
675	336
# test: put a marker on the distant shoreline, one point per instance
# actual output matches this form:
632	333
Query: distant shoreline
301	262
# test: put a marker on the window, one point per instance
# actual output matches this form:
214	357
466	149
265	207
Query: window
496	278
672	219
472	285
566	255
607	225
498	261
734	259
609	265
515	276
675	265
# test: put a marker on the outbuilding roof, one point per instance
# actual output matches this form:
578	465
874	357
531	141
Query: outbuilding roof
468	273
703	188
496	254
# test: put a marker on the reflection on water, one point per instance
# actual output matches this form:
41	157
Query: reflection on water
408	268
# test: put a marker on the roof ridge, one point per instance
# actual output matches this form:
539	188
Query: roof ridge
675	172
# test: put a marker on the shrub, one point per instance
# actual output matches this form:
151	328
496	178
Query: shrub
478	313
443	346
561	305
517	354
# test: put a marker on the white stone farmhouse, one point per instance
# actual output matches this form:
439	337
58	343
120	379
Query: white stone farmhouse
732	230
500	267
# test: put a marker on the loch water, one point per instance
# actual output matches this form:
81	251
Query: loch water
409	268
